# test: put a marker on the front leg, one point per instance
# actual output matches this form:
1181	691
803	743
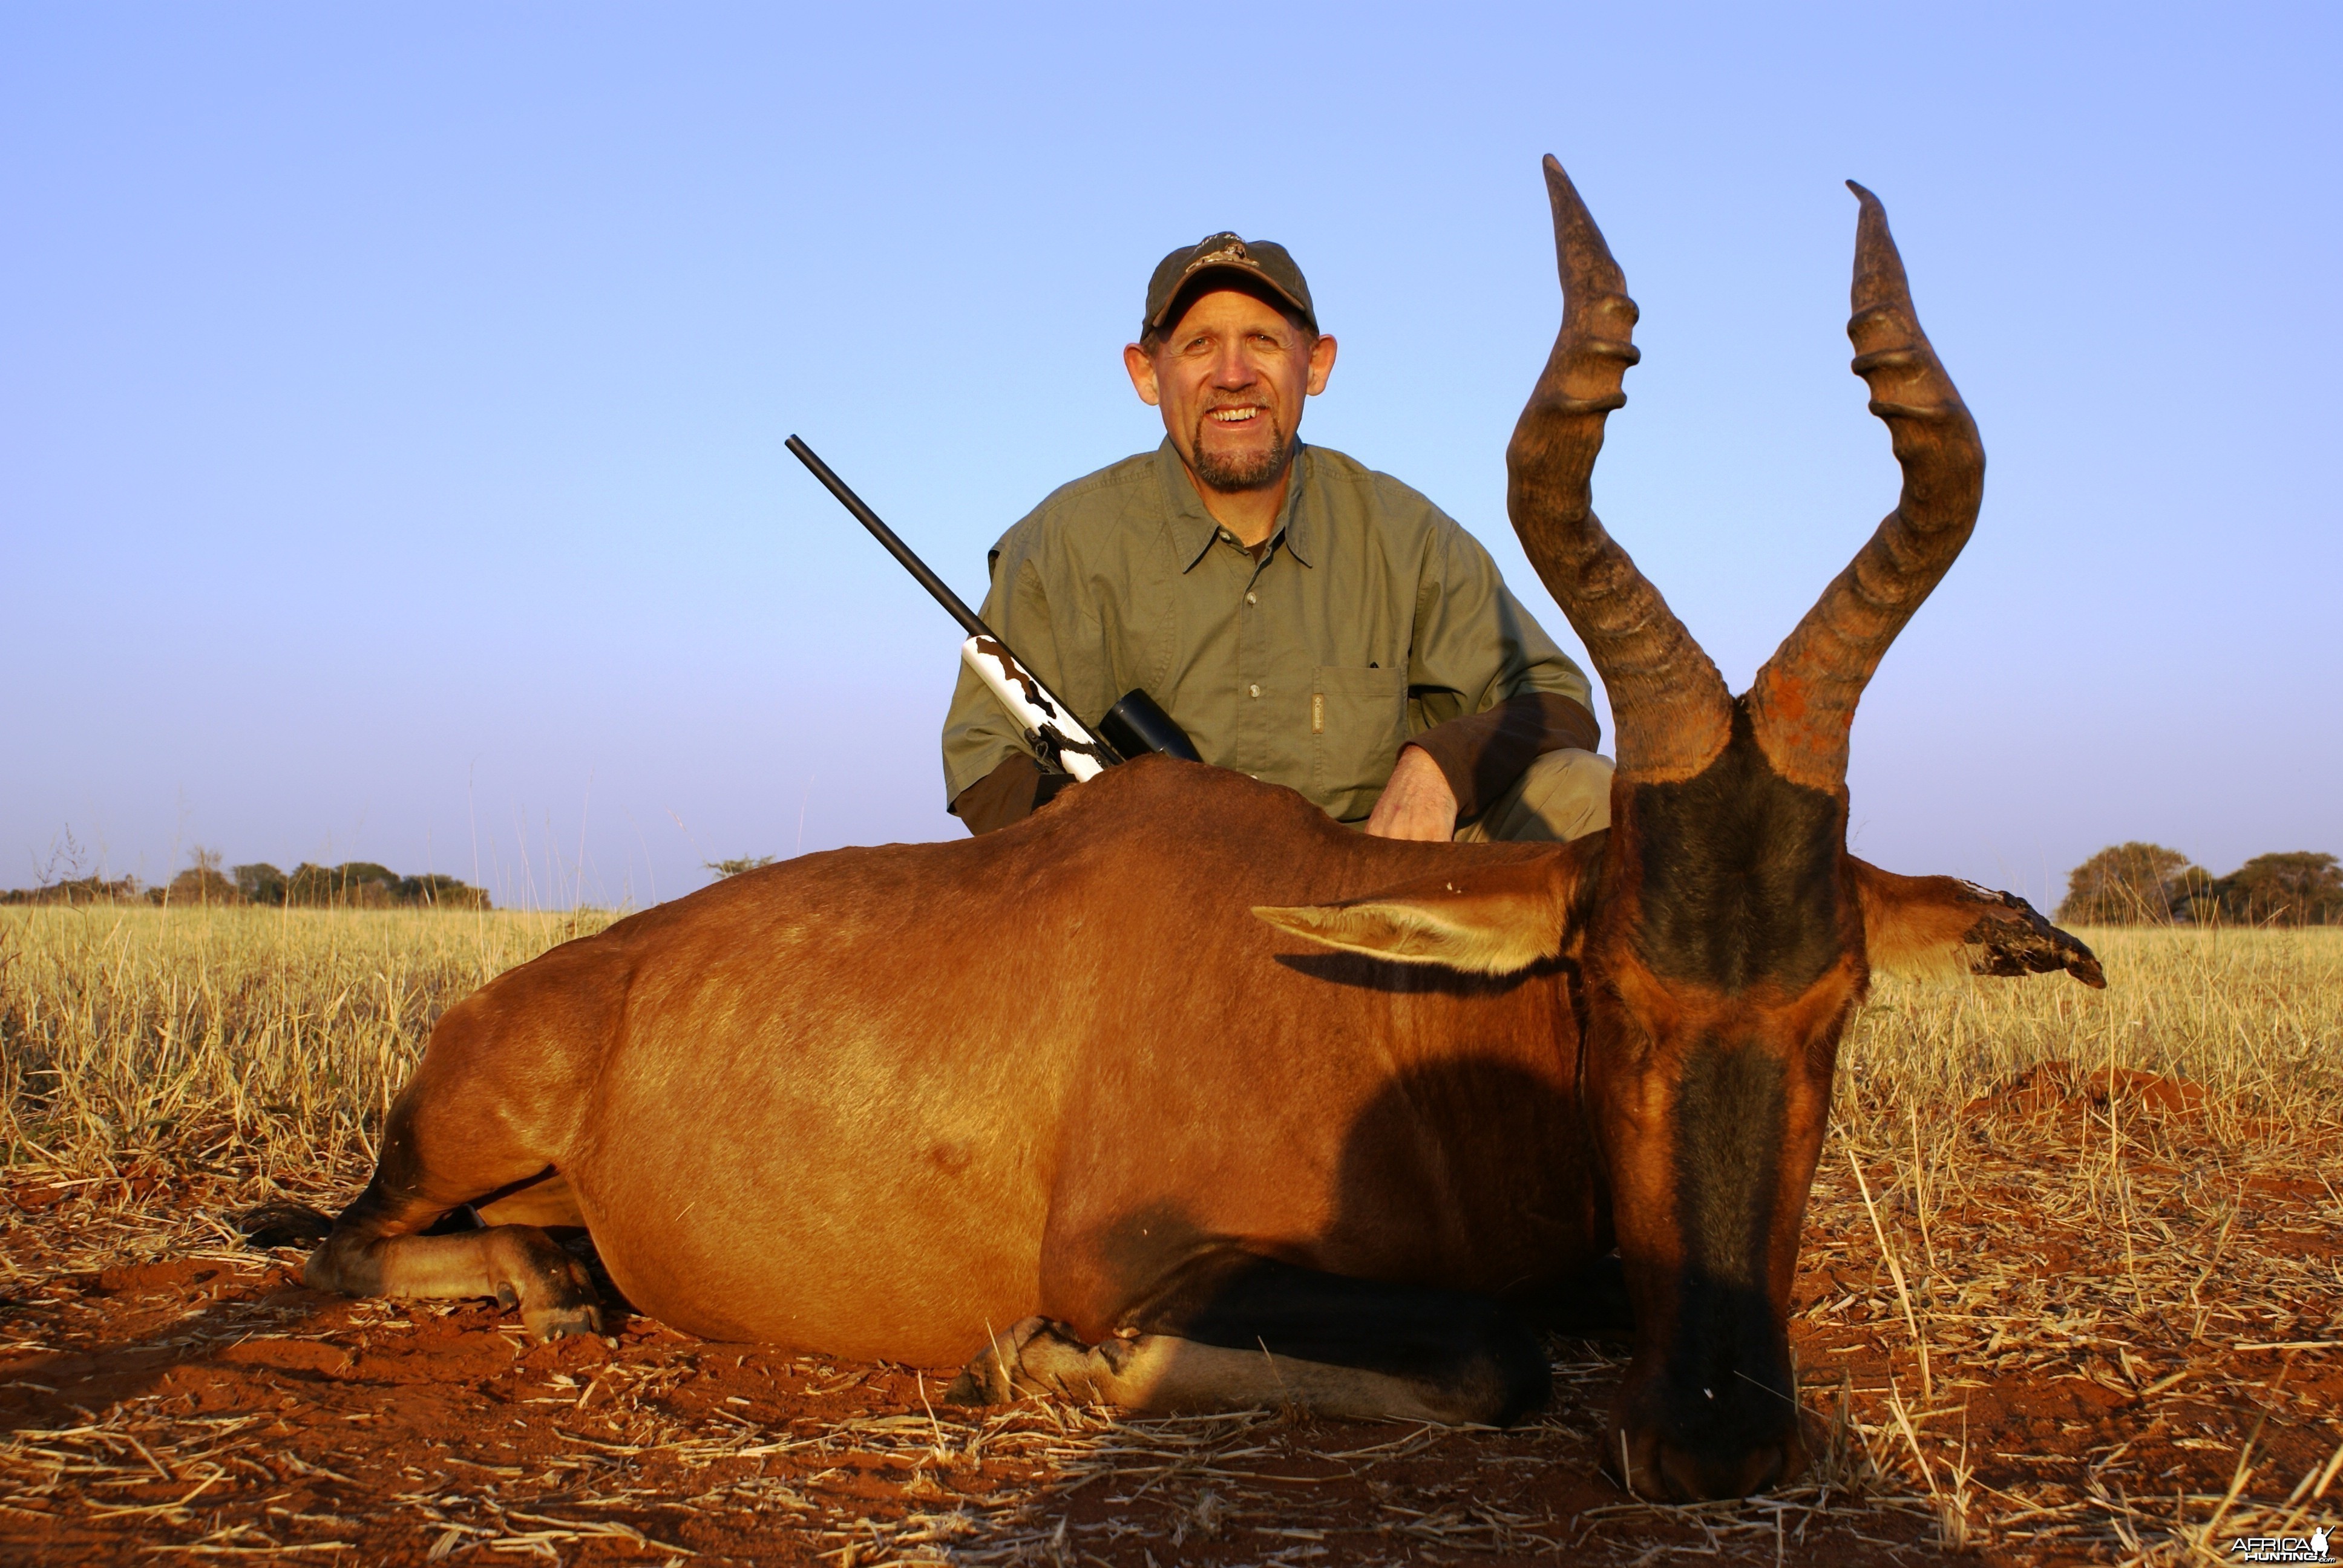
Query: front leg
1234	1330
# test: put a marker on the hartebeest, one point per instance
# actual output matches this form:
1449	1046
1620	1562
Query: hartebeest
1181	1093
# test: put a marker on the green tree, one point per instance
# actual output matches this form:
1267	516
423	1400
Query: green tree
2131	884
2196	895
78	891
734	867
260	883
201	882
434	891
2295	888
361	884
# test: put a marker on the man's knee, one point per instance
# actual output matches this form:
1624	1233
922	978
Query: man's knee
1562	795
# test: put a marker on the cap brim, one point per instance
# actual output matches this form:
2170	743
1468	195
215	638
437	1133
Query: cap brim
1187	279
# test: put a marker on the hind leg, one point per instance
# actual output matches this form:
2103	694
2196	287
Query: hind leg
375	1250
452	1140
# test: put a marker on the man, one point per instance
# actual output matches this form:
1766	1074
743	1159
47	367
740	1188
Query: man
1306	619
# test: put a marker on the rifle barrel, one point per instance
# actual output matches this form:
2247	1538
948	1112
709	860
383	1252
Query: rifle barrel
886	536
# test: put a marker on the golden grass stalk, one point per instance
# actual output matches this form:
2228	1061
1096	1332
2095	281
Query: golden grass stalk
1902	1294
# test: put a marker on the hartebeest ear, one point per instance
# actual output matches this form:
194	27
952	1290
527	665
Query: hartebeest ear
1484	920
1924	923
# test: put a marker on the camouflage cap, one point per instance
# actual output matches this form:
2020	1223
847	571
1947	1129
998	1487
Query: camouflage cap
1259	260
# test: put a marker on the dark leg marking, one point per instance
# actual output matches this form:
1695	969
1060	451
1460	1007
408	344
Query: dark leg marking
1591	1303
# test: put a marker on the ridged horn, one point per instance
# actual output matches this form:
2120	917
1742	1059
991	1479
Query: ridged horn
1802	704
1668	703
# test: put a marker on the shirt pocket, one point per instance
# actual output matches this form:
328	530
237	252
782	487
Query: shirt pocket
1358	720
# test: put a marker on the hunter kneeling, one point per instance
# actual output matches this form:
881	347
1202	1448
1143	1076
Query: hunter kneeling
1306	619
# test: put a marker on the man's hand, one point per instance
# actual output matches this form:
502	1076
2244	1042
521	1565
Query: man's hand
1417	803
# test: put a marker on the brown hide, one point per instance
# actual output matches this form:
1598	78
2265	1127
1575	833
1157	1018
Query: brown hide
875	1102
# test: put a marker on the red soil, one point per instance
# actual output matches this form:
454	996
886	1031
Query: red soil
207	1404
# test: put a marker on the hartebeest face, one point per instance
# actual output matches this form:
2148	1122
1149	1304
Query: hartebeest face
1721	956
1722	935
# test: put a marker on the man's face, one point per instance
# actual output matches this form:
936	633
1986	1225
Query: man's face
1230	378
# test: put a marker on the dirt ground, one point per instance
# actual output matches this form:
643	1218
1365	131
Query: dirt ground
2090	1385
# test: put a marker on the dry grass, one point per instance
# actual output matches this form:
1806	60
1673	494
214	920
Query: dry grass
2042	1316
2254	1016
129	1028
2126	1190
134	1034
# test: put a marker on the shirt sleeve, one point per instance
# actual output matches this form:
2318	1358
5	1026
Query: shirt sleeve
1010	793
1482	754
978	735
1478	662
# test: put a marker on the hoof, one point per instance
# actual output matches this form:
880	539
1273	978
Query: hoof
274	1226
969	1390
990	1376
560	1323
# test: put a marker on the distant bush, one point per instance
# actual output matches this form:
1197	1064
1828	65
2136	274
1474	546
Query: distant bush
361	884
200	883
734	867
260	883
80	891
2148	884
2127	885
357	884
353	884
441	892
2298	887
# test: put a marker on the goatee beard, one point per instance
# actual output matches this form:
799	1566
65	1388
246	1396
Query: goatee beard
1241	470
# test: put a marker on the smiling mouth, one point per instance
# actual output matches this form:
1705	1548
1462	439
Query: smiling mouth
1236	416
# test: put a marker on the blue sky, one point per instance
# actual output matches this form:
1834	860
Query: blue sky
392	399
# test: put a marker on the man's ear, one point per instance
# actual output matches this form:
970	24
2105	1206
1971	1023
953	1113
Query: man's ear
1483	919
1141	367
1938	923
1322	364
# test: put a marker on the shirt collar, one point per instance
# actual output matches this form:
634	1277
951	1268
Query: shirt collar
1192	528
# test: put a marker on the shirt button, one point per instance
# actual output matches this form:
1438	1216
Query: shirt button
1251	598
1255	688
1228	537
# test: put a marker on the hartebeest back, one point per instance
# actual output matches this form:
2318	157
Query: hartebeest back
1059	1082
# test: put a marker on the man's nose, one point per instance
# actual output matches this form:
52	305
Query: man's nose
1234	368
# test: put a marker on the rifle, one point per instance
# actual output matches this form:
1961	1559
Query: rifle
1132	728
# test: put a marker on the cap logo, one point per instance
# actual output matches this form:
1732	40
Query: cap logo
1225	249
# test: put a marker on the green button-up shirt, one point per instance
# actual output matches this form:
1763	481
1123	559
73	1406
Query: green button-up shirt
1370	617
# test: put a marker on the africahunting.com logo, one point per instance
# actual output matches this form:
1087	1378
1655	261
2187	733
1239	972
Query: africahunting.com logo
2311	1548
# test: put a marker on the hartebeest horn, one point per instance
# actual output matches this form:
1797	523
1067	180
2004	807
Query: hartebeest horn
1668	703
1803	702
